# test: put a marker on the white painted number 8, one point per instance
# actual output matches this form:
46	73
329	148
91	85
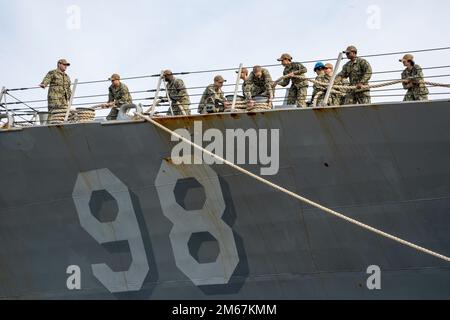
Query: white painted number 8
208	219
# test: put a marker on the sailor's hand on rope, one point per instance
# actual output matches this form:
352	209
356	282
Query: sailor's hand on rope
105	105
407	83
290	75
359	86
251	103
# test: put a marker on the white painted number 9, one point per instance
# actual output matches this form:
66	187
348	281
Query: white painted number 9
124	227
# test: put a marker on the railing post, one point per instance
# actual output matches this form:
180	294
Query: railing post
158	89
2	93
170	100
75	83
236	88
333	78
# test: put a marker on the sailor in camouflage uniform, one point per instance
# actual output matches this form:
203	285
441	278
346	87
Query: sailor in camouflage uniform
177	93
413	80
359	72
119	96
319	91
213	99
59	91
337	96
298	90
244	78
259	83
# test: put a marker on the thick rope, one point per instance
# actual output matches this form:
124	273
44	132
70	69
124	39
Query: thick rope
363	87
296	196
435	84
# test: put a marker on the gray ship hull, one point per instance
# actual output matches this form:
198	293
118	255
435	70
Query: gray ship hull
107	201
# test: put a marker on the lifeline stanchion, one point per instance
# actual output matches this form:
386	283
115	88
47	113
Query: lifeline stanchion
75	83
158	89
236	88
333	78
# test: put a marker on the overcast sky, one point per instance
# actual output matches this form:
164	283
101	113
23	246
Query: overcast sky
140	37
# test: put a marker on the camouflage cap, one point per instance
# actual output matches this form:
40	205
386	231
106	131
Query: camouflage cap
115	76
64	62
285	56
351	49
407	57
219	79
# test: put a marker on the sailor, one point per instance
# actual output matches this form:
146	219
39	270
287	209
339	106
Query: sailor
359	72
59	91
177	93
119	96
244	78
413	80
337	96
259	83
319	90
213	99
294	72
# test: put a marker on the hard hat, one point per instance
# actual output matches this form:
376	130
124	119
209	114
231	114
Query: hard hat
319	65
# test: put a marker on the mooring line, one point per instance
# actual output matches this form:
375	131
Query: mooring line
296	196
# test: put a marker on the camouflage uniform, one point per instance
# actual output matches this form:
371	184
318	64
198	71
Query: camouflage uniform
179	96
340	98
418	90
298	91
258	86
120	96
337	96
319	91
246	88
211	100
358	71
59	91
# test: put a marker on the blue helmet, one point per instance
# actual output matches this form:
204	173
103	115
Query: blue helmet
319	65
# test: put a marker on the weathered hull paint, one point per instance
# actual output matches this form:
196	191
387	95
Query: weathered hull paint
387	166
